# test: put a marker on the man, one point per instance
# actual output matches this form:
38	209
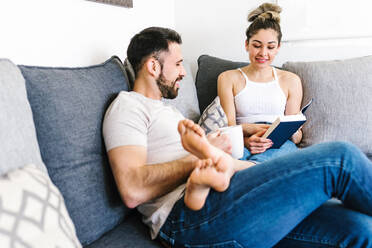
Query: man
277	202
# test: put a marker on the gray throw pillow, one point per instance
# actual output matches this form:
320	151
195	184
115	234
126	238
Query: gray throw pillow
209	68
68	106
213	117
342	107
186	101
19	144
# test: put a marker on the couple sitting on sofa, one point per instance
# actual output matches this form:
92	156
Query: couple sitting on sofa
153	151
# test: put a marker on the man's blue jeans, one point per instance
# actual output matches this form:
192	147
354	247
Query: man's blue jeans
283	202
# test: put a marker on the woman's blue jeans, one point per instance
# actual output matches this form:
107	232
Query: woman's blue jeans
287	147
283	202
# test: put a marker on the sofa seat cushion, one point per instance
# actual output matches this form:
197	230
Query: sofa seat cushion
68	105
132	233
19	144
342	107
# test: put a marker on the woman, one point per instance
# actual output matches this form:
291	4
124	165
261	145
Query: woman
255	95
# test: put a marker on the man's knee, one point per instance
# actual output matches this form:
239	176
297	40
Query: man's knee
341	148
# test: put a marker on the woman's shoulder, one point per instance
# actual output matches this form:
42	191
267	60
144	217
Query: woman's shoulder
230	76
288	77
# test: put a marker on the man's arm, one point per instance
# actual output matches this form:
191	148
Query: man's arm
138	182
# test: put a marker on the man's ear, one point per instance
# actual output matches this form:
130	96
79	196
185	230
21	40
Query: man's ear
153	67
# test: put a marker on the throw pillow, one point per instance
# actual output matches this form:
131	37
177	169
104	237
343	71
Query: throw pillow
213	117
209	68
186	101
68	106
342	106
32	211
19	144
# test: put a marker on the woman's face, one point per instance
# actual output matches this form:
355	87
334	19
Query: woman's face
263	47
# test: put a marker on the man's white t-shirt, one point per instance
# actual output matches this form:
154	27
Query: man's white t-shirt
133	119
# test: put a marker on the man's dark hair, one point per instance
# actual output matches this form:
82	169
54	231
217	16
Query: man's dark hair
150	42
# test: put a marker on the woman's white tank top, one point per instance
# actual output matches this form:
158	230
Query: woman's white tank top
259	102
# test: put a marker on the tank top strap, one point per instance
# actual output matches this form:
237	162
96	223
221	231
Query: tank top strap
275	74
244	75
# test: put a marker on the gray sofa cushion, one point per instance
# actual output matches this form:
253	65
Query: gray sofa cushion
132	233
342	108
209	68
68	105
18	136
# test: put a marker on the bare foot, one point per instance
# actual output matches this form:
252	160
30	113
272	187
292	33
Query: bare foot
194	139
214	169
203	177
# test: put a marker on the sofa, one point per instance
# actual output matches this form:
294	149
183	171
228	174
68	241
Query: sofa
56	186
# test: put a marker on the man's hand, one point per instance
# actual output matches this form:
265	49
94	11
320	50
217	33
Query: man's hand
256	144
221	141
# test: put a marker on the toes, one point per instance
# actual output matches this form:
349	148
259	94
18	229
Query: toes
181	127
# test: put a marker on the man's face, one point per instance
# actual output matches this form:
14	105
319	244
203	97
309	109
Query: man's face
172	71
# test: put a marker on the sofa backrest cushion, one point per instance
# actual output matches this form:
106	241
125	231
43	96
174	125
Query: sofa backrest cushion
19	144
342	106
209	68
68	105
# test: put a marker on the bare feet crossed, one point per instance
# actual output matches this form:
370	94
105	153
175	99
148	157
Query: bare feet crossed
213	170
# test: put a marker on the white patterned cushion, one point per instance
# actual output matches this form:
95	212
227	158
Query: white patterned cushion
213	117
33	212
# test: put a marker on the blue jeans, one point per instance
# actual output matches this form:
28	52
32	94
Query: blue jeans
287	147
283	202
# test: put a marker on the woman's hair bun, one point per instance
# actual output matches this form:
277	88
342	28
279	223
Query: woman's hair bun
266	11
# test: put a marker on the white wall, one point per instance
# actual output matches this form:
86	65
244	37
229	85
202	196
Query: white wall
74	32
79	32
312	30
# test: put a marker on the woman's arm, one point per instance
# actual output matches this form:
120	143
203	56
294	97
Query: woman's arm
225	83
294	99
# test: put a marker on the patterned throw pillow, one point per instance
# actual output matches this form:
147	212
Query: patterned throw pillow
33	212
213	117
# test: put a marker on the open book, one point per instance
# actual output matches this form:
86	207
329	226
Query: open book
285	126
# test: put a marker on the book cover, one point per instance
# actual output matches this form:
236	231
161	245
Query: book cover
285	126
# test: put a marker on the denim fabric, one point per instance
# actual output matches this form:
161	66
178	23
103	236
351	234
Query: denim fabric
287	147
264	203
68	106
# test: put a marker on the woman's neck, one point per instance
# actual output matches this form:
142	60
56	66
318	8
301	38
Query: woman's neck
259	74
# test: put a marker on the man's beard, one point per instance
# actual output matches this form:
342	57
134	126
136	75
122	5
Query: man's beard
167	91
